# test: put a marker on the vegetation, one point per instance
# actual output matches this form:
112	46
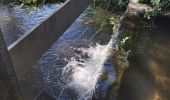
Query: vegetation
111	4
156	3
102	18
28	2
159	6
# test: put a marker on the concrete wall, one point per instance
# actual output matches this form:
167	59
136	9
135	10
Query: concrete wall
9	88
28	49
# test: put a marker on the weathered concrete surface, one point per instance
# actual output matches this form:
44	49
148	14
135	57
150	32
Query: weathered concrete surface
28	49
8	82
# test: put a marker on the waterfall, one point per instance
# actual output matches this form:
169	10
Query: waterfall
86	67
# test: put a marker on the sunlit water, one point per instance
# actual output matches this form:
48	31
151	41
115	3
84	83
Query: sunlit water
15	20
77	67
85	72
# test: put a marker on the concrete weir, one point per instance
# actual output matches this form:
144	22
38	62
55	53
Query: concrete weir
27	50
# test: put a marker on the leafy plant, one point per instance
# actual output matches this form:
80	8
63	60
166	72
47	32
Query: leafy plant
29	1
111	3
158	7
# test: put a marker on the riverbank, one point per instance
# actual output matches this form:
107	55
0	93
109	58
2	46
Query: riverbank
148	42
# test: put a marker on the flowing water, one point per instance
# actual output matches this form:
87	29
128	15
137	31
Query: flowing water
85	73
15	20
77	67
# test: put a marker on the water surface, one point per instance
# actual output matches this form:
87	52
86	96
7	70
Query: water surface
77	67
15	20
148	75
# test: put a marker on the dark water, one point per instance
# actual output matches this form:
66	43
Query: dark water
15	21
77	67
148	75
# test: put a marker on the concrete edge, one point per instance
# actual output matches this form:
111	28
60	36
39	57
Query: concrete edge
27	50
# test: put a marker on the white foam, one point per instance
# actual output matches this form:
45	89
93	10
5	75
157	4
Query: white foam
86	73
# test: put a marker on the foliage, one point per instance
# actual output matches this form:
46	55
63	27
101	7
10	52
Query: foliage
101	17
156	3
158	7
111	3
144	1
151	14
29	2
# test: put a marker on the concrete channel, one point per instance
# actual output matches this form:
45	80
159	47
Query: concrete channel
27	50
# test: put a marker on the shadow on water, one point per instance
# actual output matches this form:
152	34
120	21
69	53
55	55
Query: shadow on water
148	75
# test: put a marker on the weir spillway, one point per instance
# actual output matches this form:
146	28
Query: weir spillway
18	56
26	50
